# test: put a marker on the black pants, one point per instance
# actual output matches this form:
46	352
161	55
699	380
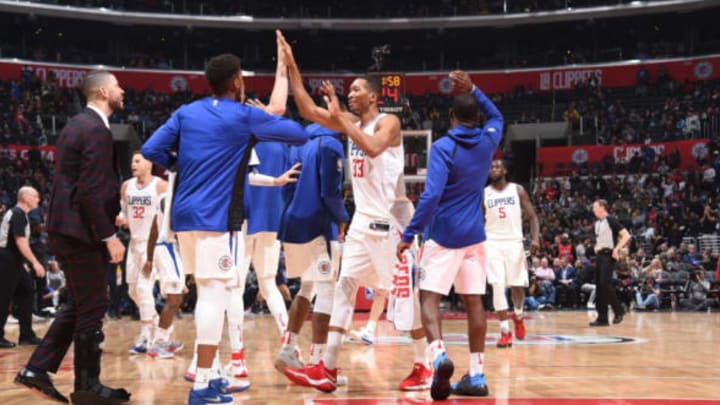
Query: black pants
16	286
605	288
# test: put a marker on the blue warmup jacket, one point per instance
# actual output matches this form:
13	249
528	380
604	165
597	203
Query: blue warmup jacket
449	210
264	205
315	205
213	138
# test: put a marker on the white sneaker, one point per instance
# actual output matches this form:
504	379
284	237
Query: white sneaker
591	305
289	356
362	335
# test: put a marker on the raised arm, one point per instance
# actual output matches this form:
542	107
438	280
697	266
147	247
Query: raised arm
278	97
165	139
493	118
387	131
306	106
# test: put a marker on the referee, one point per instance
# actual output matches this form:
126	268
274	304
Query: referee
610	236
15	281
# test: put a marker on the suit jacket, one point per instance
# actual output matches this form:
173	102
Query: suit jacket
85	196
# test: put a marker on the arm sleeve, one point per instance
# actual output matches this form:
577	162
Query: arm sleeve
493	118
438	171
615	226
331	179
96	167
17	225
272	128
157	148
260	180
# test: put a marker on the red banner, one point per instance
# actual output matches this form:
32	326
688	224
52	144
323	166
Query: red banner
623	74
550	158
15	152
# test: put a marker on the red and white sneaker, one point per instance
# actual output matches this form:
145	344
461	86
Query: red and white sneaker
505	340
419	379
519	328
238	367
316	376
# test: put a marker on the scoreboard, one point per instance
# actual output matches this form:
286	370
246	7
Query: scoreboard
392	88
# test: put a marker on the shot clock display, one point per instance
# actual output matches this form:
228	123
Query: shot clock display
392	87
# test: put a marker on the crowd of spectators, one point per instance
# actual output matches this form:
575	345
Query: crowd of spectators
660	204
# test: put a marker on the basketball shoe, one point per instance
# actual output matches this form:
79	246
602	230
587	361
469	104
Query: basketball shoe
289	356
237	367
519	327
419	379
140	345
213	394
505	340
316	376
443	370
362	335
474	386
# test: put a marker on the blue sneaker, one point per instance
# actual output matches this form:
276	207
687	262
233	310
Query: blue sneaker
443	369
213	394
474	386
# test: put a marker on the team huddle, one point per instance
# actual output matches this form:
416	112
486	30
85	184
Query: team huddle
245	182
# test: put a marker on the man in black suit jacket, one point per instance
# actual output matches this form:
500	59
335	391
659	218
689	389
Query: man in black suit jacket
83	206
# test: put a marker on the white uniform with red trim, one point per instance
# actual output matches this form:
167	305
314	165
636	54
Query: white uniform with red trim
504	246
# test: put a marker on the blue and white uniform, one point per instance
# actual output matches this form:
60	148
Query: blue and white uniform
448	211
315	207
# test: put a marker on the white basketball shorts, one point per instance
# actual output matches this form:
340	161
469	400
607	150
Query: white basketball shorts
311	261
440	268
506	263
210	255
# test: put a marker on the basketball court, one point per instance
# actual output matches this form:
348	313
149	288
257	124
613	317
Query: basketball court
649	359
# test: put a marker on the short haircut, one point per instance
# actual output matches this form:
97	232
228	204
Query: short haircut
220	70
93	80
373	84
603	203
465	107
25	190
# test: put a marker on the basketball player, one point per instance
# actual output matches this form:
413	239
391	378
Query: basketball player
163	255
312	219
139	197
212	137
504	205
263	205
453	251
377	164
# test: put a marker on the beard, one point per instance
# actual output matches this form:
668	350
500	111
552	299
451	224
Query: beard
496	180
116	105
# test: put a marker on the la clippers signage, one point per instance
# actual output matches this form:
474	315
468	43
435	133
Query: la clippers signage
622	74
549	158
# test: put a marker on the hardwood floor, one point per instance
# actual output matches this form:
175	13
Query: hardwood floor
651	356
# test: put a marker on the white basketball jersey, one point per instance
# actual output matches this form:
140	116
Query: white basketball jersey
141	207
377	182
503	216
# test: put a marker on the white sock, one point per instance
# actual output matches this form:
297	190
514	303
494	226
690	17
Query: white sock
505	326
192	368
519	313
146	330
477	361
162	335
289	338
217	370
370	327
333	348
437	347
202	377
316	352
420	350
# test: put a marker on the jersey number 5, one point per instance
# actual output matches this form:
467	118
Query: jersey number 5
138	212
501	212
357	167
